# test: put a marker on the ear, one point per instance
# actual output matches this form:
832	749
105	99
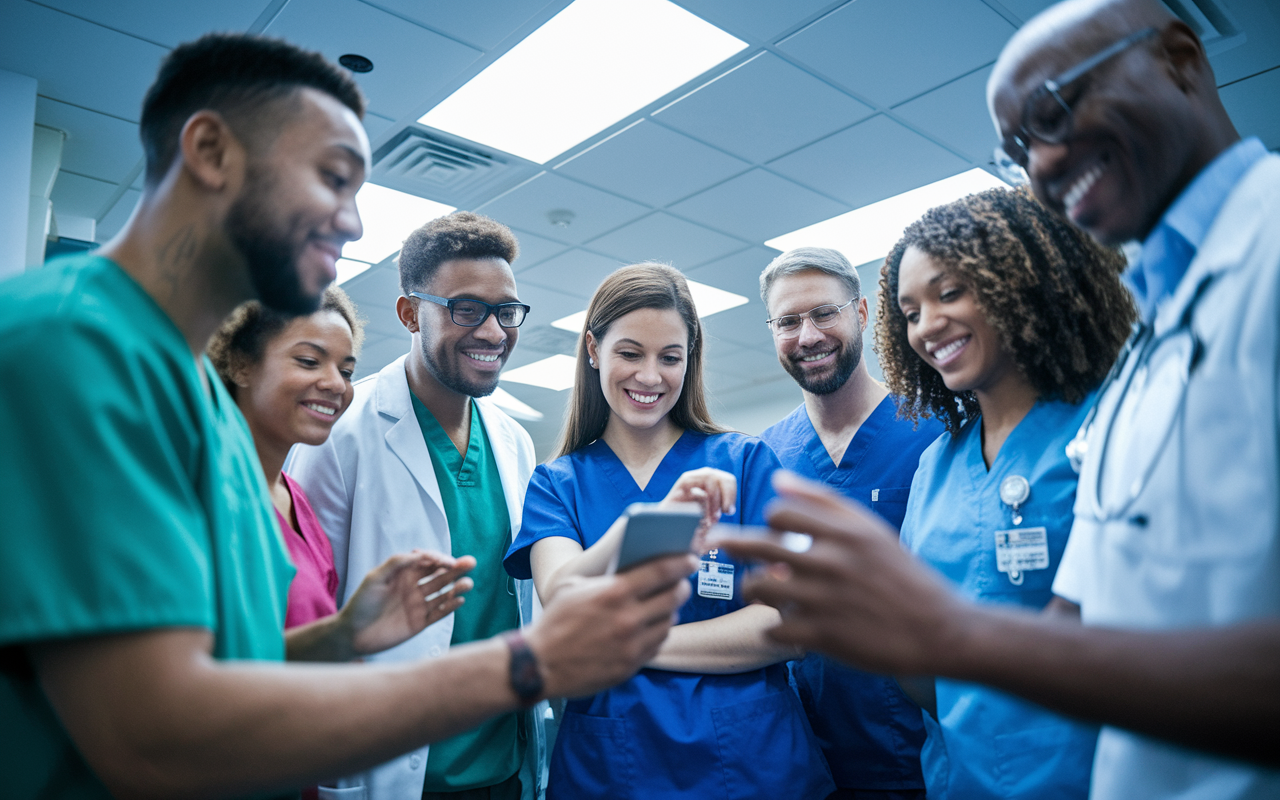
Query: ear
407	313
210	152
593	348
1185	56
864	313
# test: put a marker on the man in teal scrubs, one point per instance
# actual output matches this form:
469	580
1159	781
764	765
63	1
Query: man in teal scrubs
142	579
423	458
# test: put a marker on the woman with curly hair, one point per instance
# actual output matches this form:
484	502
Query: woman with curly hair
1000	319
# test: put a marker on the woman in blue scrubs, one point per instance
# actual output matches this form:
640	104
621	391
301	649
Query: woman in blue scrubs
999	319
712	716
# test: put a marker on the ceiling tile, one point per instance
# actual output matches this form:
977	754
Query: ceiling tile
718	382
410	62
1252	106
379	285
743	326
1259	20
78	62
164	21
547	305
763	109
1026	9
375	125
873	160
80	196
956	114
750	363
377	353
891	50
381	320
739	272
662	237
534	249
115	219
653	165
97	146
759	19
576	272
482	23
758	206
594	212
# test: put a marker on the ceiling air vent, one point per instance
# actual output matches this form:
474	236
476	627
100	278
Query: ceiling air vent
1211	21
429	164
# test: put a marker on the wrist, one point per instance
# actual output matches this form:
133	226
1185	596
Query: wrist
524	673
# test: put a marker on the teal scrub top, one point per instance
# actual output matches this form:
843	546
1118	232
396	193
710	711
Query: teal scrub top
985	743
132	494
480	526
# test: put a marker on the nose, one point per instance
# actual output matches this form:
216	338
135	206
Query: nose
809	333
331	379
649	374
490	331
347	221
931	322
1045	160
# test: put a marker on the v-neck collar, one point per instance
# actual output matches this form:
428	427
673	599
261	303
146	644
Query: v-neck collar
462	466
978	471
664	476
859	446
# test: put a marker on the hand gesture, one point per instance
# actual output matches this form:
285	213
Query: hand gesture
403	595
713	489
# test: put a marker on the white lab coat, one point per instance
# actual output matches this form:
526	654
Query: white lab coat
374	490
1200	544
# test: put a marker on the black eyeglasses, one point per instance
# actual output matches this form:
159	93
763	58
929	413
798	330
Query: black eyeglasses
473	313
1046	115
789	325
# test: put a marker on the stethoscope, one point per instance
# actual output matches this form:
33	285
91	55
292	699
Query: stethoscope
1145	344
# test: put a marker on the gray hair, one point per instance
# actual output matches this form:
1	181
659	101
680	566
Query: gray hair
803	259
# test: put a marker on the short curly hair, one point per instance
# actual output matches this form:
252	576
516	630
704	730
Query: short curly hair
242	338
461	234
1052	294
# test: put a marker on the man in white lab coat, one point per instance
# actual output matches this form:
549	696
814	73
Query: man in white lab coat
423	459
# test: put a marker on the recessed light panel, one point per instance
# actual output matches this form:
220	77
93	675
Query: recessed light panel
348	269
389	217
707	300
870	232
589	66
554	373
514	406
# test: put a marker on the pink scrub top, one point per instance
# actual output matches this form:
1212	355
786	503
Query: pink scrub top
314	591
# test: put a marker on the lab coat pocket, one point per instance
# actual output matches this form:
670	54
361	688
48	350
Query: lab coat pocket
592	758
1051	762
891	504
767	749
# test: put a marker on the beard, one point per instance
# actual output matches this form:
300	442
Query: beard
847	361
447	373
255	231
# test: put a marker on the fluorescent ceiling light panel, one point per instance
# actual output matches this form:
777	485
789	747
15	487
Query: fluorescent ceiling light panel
870	232
389	217
554	373
707	300
348	269
512	405
594	63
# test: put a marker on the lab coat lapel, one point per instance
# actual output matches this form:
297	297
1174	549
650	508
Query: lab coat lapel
405	436
504	447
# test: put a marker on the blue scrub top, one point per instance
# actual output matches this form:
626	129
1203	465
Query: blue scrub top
870	732
671	734
985	743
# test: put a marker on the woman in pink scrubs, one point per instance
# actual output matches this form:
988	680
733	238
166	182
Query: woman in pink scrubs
291	378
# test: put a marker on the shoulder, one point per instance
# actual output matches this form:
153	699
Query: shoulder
734	450
785	431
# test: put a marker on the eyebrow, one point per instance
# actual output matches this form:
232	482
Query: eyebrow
354	154
321	350
634	343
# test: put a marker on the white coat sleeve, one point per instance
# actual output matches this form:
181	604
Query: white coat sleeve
318	470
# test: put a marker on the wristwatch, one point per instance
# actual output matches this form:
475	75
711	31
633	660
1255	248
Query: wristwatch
526	680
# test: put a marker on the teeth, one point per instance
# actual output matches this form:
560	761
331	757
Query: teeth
485	358
817	357
1082	185
643	398
943	353
322	409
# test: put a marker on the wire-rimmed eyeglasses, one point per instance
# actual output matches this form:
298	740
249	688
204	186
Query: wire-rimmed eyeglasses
472	313
788	326
1046	115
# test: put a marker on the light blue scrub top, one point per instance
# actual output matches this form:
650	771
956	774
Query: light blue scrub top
985	743
672	734
870	732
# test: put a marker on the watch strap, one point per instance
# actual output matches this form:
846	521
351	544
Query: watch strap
526	680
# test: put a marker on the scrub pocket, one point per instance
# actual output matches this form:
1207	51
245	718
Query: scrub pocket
891	504
1053	762
592	758
767	749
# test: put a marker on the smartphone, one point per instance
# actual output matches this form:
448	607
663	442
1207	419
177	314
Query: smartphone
652	532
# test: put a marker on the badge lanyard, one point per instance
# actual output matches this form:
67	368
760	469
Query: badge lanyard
1019	549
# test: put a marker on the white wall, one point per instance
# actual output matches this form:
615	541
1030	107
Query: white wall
17	123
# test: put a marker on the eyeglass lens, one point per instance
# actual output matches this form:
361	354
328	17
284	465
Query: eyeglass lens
821	317
470	313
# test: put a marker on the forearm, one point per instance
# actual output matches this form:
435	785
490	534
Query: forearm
734	642
558	560
251	727
327	639
1211	689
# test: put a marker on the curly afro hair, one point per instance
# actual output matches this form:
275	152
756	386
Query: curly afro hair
1052	294
461	234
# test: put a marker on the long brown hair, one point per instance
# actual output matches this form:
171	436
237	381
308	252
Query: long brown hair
628	289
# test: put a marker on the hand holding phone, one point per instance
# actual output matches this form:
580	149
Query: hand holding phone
655	530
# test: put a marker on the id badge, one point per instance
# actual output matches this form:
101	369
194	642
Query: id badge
1020	550
715	580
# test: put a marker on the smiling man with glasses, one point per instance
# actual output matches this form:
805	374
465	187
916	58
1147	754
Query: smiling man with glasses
423	459
846	435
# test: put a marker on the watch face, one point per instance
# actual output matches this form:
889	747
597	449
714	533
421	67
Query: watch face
1014	490
526	680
